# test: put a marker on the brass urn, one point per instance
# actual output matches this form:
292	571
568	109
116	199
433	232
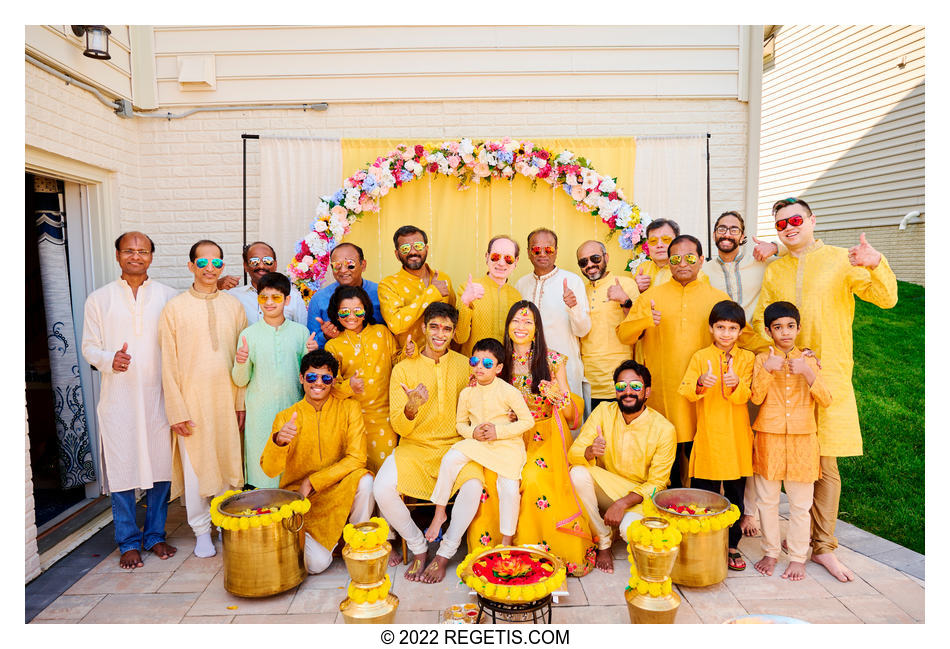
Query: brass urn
654	567
703	556
367	569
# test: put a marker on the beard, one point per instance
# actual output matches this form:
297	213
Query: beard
596	273
414	263
729	244
630	409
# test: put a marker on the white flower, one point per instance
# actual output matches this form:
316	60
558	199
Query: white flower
592	199
603	203
414	167
352	200
323	208
589	178
491	159
511	146
337	231
319	226
466	147
565	157
645	220
607	185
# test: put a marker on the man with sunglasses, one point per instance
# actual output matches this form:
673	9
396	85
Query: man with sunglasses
822	281
199	333
610	298
622	456
347	265
260	259
656	269
405	295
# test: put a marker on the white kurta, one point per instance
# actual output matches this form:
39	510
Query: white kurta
741	278
133	430
563	327
296	309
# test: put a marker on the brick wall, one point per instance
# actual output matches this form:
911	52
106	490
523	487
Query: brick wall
904	249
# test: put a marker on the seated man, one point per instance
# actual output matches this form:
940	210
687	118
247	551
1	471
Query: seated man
319	446
424	419
622	455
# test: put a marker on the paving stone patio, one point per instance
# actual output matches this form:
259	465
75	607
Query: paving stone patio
889	588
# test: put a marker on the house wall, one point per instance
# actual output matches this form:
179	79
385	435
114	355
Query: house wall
32	553
58	46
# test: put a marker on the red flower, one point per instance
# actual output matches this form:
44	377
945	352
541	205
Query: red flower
612	222
542	154
611	196
544	172
419	149
433	168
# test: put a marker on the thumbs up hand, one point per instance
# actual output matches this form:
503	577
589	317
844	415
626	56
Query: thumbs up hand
357	383
730	379
763	249
311	343
242	352
616	293
287	432
473	291
656	314
643	280
708	379
410	347
328	328
569	298
864	254
440	284
121	360
774	362
599	446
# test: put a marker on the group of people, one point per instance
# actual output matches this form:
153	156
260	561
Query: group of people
545	411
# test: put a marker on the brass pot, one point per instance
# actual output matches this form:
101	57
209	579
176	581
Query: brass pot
367	565
703	557
653	565
644	609
382	611
266	560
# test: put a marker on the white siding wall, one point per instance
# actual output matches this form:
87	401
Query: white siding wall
32	553
59	47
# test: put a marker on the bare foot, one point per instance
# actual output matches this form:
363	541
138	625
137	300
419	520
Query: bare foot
395	557
832	565
415	567
163	550
748	526
131	559
506	540
766	565
435	527
435	571
795	571
605	560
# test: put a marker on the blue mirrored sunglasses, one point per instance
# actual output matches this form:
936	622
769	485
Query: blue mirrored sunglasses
487	363
313	377
201	262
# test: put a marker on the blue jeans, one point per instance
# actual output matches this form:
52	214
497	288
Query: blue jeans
128	536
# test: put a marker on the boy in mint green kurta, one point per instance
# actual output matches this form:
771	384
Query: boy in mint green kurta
267	362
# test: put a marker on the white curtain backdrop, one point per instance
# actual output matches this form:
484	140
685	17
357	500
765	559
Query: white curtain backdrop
670	181
295	172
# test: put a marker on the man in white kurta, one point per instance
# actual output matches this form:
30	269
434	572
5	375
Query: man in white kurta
120	339
260	259
562	300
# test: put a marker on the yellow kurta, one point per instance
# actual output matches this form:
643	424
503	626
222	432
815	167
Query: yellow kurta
198	334
661	275
639	454
490	404
373	352
601	351
402	299
330	451
485	318
722	447
823	284
425	439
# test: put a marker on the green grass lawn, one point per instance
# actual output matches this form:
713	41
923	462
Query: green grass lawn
883	490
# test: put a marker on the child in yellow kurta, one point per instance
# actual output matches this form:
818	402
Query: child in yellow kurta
318	448
366	351
718	380
491	438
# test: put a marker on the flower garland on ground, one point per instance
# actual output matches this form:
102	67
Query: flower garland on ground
248	521
644	587
689	525
524	582
357	539
664	540
468	162
369	595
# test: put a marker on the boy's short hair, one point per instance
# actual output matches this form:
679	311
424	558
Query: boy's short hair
344	293
631	364
319	358
440	310
274	280
727	311
785	202
491	346
405	231
778	310
659	223
680	238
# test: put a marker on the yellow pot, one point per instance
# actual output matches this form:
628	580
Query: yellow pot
703	557
653	565
367	565
644	609
382	611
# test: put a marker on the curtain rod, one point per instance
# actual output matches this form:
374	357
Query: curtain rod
249	136
672	137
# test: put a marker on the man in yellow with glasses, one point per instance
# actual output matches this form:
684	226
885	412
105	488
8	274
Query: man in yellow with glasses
347	265
656	269
260	259
404	296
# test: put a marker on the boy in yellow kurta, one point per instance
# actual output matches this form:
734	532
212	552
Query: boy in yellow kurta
718	379
622	456
318	448
492	439
484	303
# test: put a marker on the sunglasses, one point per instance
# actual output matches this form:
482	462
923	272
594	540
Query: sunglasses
794	221
313	377
254	262
277	298
548	250
732	229
418	246
594	259
346	313
690	257
621	386
495	256
201	262
487	363
349	264
655	240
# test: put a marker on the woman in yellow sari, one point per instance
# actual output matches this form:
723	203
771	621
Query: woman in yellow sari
551	516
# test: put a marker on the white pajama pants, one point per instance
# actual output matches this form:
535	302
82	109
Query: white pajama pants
509	491
197	507
594	500
316	557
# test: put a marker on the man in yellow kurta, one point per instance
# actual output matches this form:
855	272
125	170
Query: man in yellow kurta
609	298
423	393
622	456
484	303
655	270
318	447
404	296
822	282
198	334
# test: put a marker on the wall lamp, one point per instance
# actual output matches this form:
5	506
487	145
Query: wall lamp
97	40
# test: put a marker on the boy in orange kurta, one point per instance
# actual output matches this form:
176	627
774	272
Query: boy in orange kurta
718	379
318	447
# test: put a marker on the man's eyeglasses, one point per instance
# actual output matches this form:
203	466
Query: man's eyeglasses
731	229
655	240
313	377
621	386
690	257
793	221
346	313
254	262
594	259
487	363
537	250
140	253
349	264
496	256
201	262
418	246
277	298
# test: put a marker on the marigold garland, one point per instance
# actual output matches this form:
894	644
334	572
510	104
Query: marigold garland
514	593
229	522
366	540
688	525
664	540
369	595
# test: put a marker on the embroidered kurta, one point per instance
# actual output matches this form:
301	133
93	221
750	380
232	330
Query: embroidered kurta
271	376
563	326
823	284
639	454
490	403
661	275
741	278
486	316
329	450
199	333
425	439
373	352
321	300
295	310
722	447
402	299
601	350
133	429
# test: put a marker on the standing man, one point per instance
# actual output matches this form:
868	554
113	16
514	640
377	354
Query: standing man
347	265
120	339
610	298
822	282
404	296
656	269
562	300
199	332
260	259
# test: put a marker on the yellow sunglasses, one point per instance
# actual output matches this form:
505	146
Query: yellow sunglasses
277	298
691	258
418	246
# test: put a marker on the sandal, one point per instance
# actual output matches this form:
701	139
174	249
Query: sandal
735	559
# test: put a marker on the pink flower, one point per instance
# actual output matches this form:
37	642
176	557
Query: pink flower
454	160
578	193
338	211
481	170
467	158
453	147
